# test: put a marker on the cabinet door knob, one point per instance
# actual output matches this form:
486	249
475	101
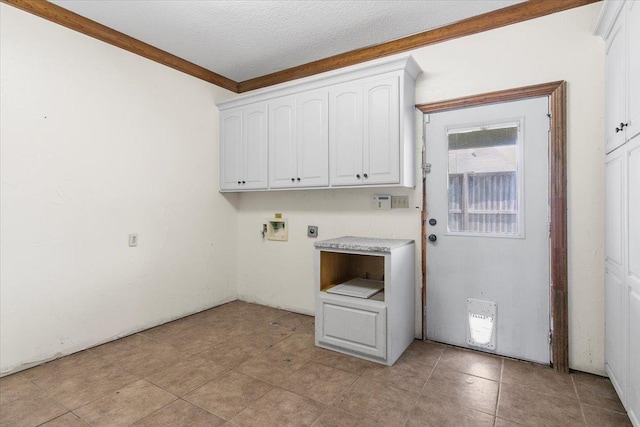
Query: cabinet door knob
622	125
366	176
243	182
358	176
292	179
298	178
239	182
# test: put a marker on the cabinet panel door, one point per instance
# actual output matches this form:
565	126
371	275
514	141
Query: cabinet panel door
231	149
254	165
633	71
313	139
614	209
356	326
345	134
382	132
615	331
614	86
633	276
633	214
633	402
283	169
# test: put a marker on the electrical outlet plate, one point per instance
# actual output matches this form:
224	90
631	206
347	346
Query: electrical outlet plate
133	239
312	231
400	202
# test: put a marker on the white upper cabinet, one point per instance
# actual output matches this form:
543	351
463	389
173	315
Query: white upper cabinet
381	148
346	128
364	132
313	139
619	25
298	138
345	134
243	148
633	64
283	161
614	87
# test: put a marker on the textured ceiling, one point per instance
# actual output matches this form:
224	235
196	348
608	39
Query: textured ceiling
246	39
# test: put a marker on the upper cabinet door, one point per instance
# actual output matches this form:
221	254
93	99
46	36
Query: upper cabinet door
345	134
614	86
633	73
231	142
282	142
381	148
254	156
313	139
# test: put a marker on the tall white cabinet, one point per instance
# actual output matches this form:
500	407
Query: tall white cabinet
619	25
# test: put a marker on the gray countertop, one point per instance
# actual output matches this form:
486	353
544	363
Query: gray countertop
365	244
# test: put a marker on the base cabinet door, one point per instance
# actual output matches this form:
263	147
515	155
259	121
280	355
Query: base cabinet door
352	325
633	408
633	277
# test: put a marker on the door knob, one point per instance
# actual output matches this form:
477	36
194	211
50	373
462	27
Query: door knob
433	221
432	237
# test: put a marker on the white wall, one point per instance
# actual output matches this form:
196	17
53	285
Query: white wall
556	47
97	143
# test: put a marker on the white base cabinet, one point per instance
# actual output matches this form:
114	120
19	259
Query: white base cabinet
381	327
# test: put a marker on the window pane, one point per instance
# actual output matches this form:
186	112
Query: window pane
483	180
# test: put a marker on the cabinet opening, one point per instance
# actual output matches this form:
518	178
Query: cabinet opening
338	268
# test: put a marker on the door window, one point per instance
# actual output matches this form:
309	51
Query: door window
484	184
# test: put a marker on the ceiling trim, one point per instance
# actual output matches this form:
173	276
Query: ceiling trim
506	16
66	18
499	18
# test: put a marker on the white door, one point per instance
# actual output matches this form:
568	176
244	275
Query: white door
487	194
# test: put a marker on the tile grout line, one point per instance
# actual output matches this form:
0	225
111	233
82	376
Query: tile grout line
575	390
408	416
495	418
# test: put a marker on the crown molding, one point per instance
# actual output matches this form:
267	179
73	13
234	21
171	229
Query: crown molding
66	18
499	18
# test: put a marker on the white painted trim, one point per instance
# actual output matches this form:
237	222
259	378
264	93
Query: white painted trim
608	16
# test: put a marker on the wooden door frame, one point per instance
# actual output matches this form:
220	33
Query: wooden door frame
559	300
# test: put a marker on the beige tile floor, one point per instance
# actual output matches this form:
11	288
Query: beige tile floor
243	364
